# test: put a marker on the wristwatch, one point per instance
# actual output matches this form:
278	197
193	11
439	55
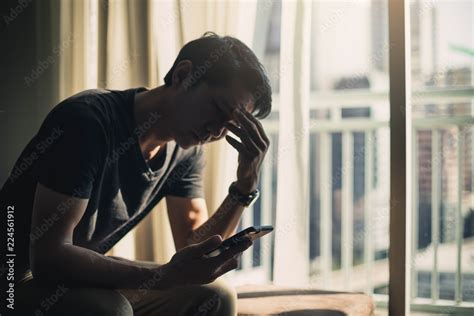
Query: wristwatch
245	199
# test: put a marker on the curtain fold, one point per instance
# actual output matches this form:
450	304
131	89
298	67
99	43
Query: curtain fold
292	230
119	44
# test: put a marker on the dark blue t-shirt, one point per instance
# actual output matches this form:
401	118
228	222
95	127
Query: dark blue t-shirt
87	147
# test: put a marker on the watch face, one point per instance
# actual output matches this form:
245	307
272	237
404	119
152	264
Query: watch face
245	199
253	198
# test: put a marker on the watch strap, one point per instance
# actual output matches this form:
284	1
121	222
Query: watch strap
245	199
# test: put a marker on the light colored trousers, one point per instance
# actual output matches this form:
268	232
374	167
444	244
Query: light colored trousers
216	299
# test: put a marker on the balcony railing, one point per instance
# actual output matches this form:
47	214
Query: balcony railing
370	275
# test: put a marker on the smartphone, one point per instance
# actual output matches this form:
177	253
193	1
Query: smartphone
253	232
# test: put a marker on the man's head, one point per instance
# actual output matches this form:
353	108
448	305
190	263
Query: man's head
211	77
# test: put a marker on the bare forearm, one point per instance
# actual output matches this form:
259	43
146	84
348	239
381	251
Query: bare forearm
77	266
223	222
146	264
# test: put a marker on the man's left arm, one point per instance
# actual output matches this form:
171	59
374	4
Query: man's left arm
190	223
188	216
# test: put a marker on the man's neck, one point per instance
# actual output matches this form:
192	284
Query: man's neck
149	106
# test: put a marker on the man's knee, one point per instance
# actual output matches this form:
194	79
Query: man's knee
220	299
96	302
115	304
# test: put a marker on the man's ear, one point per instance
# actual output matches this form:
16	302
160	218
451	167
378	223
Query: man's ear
182	74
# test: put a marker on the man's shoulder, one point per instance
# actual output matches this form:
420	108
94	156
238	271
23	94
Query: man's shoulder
77	104
74	115
92	105
88	96
71	113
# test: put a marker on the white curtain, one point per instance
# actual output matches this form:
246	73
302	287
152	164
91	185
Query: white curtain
234	18
292	229
120	44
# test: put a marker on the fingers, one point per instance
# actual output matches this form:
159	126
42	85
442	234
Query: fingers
255	125
232	251
229	265
248	144
236	144
249	128
206	246
259	127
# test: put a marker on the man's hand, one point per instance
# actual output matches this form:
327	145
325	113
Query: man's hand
252	149
190	266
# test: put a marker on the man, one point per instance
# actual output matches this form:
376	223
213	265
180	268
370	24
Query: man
100	162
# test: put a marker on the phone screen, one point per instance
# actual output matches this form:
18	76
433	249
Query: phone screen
253	232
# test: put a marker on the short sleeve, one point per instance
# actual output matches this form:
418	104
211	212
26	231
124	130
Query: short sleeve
71	148
186	178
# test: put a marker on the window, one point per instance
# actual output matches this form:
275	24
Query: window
349	150
442	80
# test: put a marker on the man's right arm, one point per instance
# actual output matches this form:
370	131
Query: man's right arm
55	260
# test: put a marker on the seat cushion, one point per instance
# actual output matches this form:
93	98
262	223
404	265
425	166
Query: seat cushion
277	300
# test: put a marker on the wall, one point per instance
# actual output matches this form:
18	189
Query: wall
28	66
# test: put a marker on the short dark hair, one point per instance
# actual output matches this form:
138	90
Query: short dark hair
219	59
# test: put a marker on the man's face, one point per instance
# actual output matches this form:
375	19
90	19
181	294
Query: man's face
203	110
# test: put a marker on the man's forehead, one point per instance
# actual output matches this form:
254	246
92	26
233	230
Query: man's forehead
238	96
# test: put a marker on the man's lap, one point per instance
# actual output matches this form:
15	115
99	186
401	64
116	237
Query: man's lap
36	300
216	298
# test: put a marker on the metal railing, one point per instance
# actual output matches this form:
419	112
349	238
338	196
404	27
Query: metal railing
373	273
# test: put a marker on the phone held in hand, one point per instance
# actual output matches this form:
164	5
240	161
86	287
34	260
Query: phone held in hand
253	233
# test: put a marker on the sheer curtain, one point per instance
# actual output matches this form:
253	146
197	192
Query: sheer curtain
291	234
119	44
